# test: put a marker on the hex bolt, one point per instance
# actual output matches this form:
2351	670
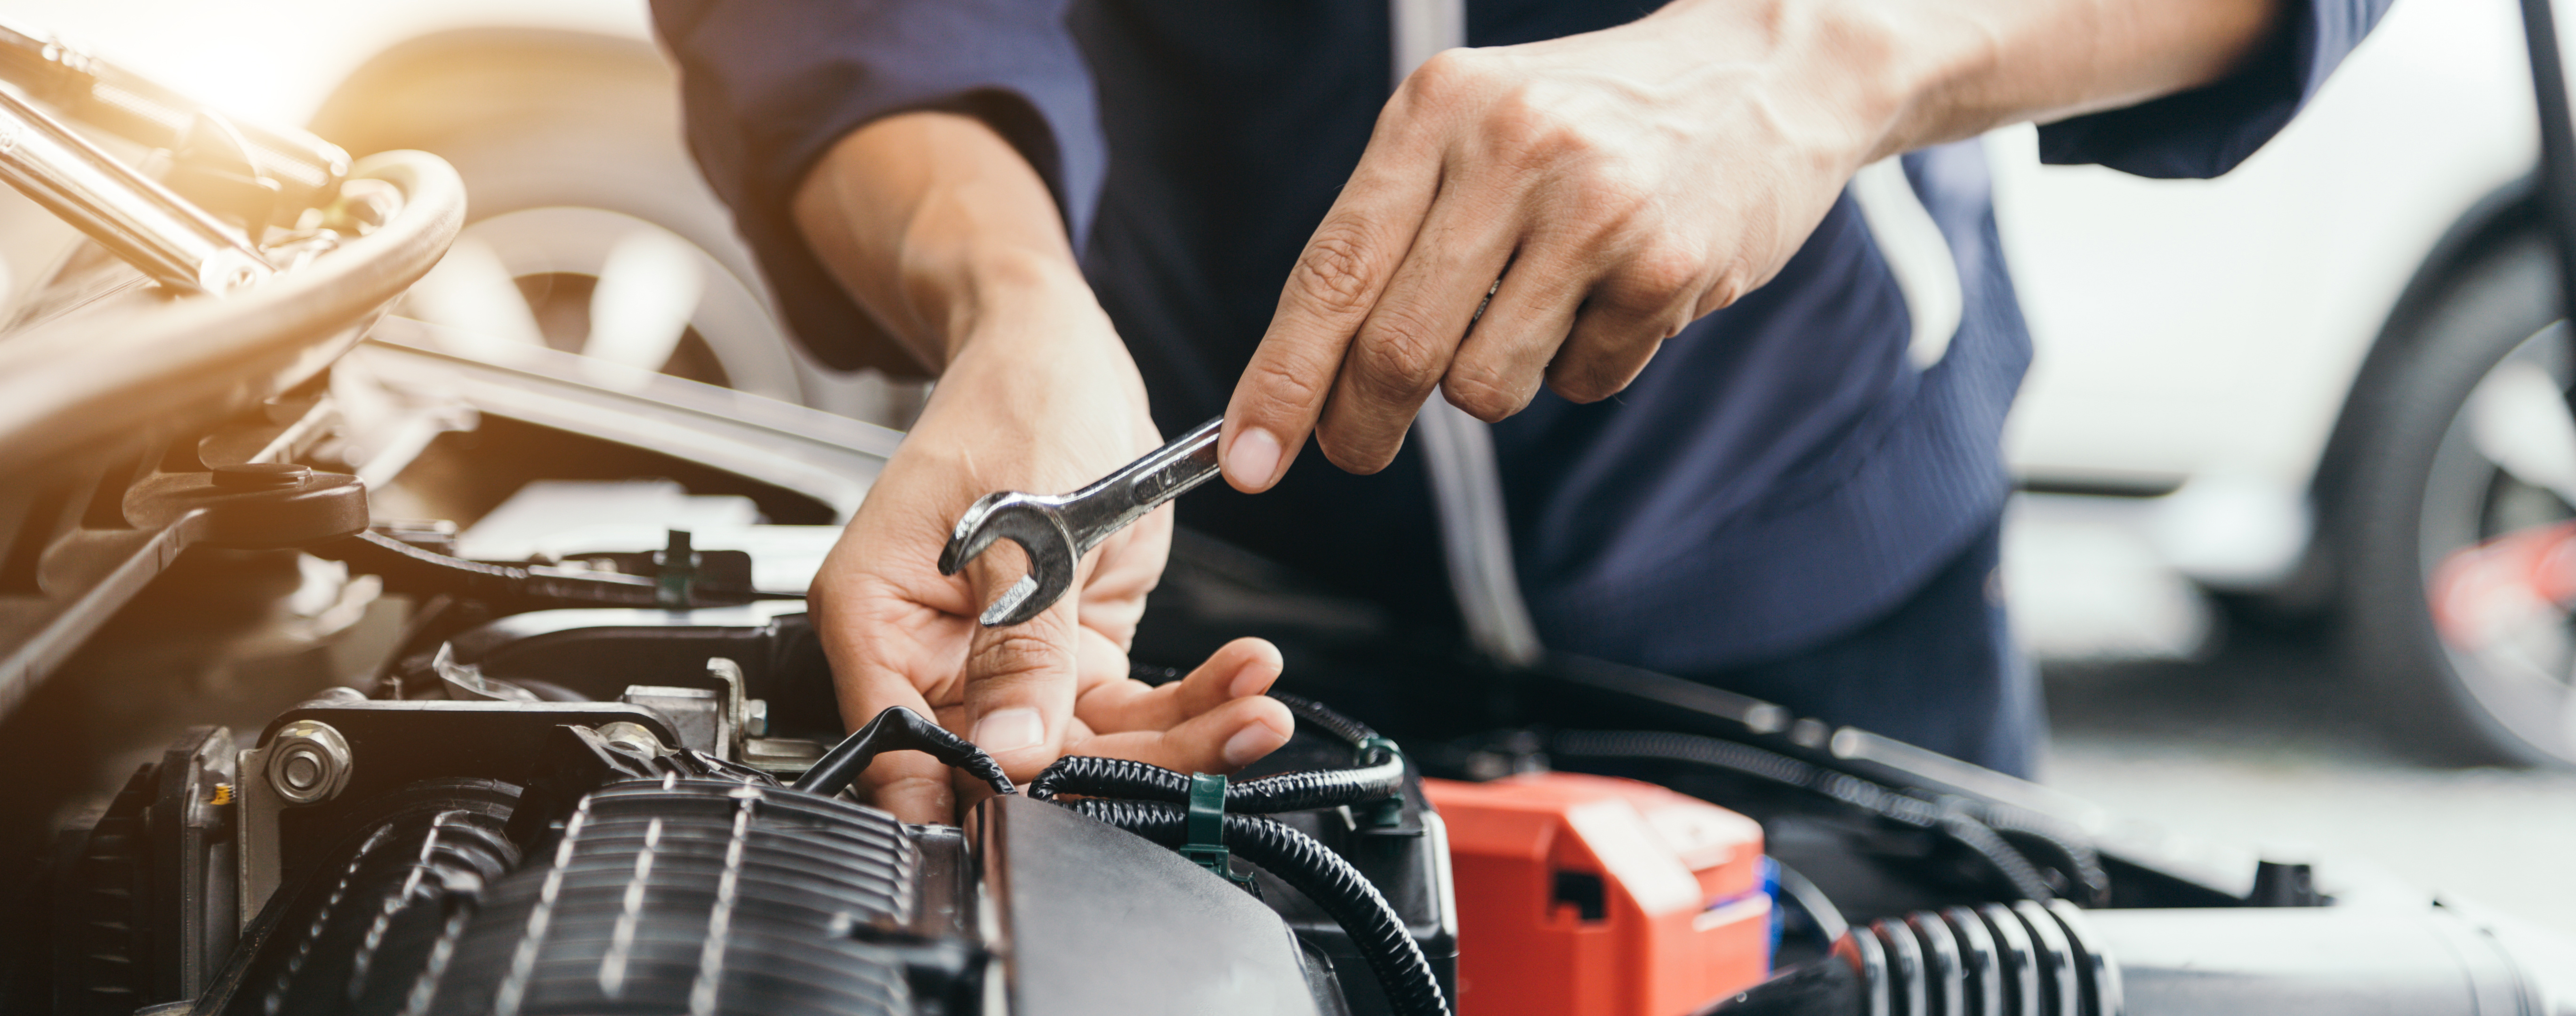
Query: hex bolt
308	762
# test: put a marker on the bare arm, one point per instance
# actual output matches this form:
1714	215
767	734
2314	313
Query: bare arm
946	234
1625	182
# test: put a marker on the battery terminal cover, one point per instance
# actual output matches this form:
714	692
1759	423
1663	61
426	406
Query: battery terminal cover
1597	896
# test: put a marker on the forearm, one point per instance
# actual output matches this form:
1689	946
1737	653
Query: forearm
1913	73
941	230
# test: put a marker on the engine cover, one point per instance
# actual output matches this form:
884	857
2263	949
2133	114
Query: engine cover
716	897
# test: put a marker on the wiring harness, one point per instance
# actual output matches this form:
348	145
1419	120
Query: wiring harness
1160	805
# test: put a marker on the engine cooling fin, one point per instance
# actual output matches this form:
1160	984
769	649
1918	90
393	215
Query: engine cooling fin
702	897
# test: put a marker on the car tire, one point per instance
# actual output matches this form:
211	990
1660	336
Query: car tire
2415	494
571	149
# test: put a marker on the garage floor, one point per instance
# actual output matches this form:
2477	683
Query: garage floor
2261	745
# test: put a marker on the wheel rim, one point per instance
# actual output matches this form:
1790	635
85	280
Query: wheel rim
607	285
2498	546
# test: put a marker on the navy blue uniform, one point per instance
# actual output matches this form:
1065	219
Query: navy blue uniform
1781	503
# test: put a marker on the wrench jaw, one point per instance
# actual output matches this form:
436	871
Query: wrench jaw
1039	530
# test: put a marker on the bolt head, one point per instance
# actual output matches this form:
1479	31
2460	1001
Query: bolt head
302	771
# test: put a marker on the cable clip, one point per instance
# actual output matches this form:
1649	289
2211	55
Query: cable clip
1206	828
675	571
1387	812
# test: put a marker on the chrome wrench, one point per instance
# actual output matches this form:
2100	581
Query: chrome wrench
1057	529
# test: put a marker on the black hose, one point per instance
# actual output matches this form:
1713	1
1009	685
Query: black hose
899	729
1973	825
1322	788
1999	855
410	569
1322	875
1090	776
1315	714
1376	773
2077	858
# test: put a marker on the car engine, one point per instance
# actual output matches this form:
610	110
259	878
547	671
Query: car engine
588	760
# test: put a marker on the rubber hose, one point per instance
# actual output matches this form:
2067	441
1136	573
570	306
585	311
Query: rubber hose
1348	730
1322	788
1090	776
1322	875
1093	776
2001	856
2082	863
899	729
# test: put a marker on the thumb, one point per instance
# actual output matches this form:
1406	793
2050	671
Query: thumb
1019	685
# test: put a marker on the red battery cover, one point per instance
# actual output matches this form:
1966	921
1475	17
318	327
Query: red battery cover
1595	896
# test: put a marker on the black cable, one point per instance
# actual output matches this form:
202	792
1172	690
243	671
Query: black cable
2078	858
1376	774
899	729
1973	825
406	568
1314	870
1315	714
1091	776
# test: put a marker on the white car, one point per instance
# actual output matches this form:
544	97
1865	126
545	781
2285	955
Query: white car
2293	382
2299	380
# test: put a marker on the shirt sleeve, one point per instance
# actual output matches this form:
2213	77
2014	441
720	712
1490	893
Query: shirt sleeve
768	86
2209	130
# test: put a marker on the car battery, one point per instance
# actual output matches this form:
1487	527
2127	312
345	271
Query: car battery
1595	896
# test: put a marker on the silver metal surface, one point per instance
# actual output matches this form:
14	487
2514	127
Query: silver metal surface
1057	529
308	762
157	231
635	736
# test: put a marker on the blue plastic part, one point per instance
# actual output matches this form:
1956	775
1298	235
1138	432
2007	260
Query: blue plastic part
1771	888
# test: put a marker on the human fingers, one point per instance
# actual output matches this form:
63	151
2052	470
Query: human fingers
1654	293
1240	669
1500	366
1345	265
1019	680
912	785
1220	740
1413	333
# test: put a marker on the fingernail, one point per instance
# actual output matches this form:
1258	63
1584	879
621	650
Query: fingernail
1253	460
1009	730
1251	679
1250	743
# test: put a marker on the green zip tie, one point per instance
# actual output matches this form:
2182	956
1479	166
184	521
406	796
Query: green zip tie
1206	828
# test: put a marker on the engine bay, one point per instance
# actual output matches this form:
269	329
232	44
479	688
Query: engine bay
615	779
352	666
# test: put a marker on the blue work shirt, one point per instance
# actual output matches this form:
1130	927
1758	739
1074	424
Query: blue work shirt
1781	473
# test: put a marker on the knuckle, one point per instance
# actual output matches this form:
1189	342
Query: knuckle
1015	655
1398	358
1286	386
1582	386
1333	271
1447	75
1483	394
1664	271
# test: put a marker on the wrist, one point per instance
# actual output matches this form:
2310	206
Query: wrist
1010	302
1865	64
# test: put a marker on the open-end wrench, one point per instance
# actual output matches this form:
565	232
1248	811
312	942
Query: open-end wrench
1057	529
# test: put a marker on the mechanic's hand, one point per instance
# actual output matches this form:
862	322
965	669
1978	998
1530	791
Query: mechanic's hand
1620	184
1045	404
